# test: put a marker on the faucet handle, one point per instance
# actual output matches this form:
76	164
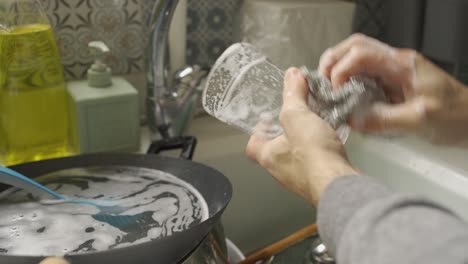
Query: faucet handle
190	71
183	73
189	76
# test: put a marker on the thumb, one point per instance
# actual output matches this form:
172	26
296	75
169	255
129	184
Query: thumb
295	89
295	96
380	117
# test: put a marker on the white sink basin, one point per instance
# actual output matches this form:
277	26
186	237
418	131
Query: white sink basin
411	165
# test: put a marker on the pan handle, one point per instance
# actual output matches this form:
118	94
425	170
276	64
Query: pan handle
186	144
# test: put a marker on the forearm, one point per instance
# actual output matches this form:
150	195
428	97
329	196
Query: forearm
340	201
335	167
361	221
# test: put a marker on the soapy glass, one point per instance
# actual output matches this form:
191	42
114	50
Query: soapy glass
244	89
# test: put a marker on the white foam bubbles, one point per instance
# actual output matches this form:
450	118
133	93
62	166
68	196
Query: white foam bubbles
163	204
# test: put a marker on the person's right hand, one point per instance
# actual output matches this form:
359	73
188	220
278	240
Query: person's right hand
423	98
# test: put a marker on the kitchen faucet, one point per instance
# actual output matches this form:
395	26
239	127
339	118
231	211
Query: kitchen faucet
167	97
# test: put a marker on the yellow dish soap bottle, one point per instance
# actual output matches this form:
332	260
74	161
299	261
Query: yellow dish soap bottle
34	114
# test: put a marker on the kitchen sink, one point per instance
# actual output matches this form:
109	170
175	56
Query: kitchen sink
409	164
261	212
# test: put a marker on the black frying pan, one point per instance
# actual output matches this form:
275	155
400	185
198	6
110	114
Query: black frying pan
213	185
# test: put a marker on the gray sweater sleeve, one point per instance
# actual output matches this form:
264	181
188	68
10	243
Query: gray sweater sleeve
362	222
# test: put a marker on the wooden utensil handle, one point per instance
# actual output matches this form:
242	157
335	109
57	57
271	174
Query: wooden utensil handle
281	245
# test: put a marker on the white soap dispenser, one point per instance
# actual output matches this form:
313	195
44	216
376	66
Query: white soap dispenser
104	108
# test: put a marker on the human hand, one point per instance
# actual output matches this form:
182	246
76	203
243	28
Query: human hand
309	155
423	98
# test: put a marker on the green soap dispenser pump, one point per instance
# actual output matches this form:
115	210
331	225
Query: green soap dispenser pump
99	75
104	108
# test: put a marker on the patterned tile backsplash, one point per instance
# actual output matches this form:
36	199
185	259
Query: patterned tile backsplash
120	24
211	29
116	22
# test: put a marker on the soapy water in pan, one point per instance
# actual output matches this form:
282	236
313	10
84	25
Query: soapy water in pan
155	203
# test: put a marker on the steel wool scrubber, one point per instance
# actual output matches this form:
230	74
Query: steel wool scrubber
336	105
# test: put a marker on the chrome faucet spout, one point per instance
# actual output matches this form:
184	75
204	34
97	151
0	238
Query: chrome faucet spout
159	23
166	97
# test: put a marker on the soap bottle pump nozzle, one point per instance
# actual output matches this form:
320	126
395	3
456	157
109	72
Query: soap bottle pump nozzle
99	75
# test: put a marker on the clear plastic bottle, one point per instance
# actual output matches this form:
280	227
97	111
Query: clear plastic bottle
34	117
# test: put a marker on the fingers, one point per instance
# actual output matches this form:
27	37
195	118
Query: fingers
267	128
266	152
254	146
361	55
295	91
409	116
378	61
54	260
295	96
333	55
356	62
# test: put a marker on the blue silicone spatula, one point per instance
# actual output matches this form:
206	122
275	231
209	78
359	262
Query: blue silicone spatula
16	179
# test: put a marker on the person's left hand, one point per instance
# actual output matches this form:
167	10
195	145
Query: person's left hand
309	155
